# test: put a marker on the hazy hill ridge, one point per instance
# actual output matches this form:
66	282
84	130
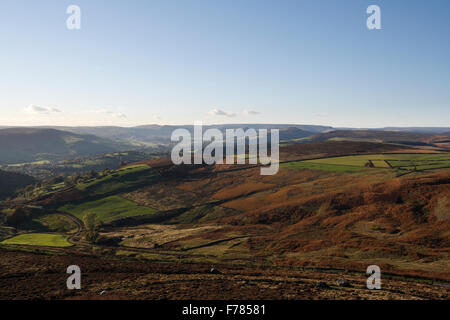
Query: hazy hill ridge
33	144
24	145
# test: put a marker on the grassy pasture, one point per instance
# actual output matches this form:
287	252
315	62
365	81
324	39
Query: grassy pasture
49	189
39	239
119	179
419	164
400	162
321	166
107	209
380	164
115	180
29	163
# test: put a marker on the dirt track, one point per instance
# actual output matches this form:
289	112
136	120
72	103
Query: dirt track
75	220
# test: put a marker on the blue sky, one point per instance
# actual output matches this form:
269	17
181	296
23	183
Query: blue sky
225	61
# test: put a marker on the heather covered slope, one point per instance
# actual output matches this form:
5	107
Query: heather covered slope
335	212
29	275
313	217
300	216
400	223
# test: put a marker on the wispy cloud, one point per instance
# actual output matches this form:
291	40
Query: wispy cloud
114	114
218	112
251	113
34	109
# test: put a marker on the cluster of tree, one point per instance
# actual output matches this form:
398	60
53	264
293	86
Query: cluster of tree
21	215
92	234
10	182
91	226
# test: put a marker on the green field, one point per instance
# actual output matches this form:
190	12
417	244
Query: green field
29	163
321	166
399	162
380	164
120	180
107	209
48	189
39	239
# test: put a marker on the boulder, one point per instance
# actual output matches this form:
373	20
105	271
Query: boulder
214	271
343	283
321	285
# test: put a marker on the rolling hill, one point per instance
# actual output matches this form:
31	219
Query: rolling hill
160	134
393	137
294	133
21	145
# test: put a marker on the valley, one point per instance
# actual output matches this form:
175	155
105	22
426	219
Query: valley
334	208
224	159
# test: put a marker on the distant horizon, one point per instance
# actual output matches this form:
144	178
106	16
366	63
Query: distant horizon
224	124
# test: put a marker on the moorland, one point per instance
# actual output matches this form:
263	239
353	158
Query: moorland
140	227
